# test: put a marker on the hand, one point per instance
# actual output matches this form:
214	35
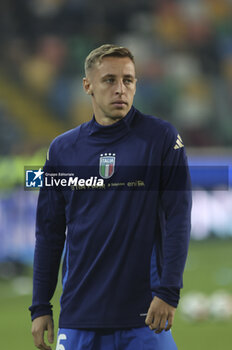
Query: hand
158	314
39	326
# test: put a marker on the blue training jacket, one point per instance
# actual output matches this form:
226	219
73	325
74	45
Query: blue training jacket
125	241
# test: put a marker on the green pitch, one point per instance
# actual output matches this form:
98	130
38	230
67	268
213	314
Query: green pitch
209	268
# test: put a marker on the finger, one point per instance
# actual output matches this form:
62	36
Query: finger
149	317
161	325
170	322
155	324
39	342
44	346
51	332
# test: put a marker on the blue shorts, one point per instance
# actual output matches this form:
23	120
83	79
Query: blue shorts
129	339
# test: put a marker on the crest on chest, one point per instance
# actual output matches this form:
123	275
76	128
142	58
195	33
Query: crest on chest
107	165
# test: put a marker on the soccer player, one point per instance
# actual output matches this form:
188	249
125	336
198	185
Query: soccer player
125	242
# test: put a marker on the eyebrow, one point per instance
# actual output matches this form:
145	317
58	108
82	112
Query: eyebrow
113	76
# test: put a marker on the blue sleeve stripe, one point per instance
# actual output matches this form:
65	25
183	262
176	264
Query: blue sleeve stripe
66	264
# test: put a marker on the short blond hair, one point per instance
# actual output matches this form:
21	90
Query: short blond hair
106	50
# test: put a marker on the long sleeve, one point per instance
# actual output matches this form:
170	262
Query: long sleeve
50	238
174	219
111	231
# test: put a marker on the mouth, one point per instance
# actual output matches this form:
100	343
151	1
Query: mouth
119	103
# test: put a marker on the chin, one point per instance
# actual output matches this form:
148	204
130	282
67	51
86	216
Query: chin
119	113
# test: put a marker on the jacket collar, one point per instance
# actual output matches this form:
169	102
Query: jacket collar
120	127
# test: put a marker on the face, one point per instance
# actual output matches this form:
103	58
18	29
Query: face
112	85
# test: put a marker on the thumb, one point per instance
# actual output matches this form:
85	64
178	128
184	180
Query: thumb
50	331
149	317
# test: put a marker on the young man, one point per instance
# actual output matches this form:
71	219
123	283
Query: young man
126	241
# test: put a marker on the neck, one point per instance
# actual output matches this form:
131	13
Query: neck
107	120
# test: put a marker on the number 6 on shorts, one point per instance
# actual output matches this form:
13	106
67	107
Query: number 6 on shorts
60	346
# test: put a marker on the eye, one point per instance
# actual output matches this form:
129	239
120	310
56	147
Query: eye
109	80
128	81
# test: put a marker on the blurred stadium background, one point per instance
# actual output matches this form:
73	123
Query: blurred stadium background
183	51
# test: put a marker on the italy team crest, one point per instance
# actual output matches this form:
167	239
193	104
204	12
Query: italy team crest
107	165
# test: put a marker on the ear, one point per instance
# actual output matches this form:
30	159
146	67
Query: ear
87	86
135	85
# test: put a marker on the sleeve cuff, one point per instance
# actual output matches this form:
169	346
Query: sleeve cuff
40	310
170	295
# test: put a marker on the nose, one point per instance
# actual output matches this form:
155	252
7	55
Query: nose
120	88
